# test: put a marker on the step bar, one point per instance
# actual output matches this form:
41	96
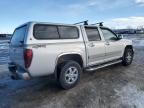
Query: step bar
102	66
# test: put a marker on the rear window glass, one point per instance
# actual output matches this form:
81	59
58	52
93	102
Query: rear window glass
67	32
42	31
18	35
45	32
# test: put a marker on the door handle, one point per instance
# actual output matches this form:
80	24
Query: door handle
107	43
91	45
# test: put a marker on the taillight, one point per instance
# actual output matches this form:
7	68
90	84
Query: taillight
28	55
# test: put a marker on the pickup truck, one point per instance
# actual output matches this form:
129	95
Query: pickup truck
65	50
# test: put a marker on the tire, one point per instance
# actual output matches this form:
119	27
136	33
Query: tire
128	56
70	74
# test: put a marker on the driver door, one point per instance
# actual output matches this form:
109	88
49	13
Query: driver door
114	47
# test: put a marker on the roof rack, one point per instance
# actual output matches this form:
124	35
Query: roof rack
84	22
100	23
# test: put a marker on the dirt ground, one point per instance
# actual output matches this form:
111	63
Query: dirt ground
112	87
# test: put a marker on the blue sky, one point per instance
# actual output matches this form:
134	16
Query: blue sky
115	13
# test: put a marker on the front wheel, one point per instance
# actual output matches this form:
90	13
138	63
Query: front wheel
128	56
70	74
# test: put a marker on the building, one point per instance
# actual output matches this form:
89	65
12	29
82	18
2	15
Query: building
128	31
5	36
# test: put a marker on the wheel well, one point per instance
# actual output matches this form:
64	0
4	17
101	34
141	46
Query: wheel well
74	57
129	46
64	58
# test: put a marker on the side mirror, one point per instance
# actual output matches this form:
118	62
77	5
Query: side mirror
120	36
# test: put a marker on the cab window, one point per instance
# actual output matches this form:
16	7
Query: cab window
92	34
108	35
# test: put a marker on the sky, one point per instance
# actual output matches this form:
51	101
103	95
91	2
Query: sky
114	13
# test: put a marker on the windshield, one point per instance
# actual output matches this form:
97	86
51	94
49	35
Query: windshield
18	36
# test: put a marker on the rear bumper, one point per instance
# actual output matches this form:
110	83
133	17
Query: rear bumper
18	74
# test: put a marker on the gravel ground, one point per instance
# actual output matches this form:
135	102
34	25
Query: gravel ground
112	87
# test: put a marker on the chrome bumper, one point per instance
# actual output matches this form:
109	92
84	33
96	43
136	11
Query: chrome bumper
17	75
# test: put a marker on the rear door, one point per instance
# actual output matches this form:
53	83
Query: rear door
17	46
95	46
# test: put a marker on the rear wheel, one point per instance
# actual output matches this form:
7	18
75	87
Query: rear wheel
127	57
69	74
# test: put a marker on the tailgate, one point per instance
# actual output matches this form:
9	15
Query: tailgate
17	46
16	55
